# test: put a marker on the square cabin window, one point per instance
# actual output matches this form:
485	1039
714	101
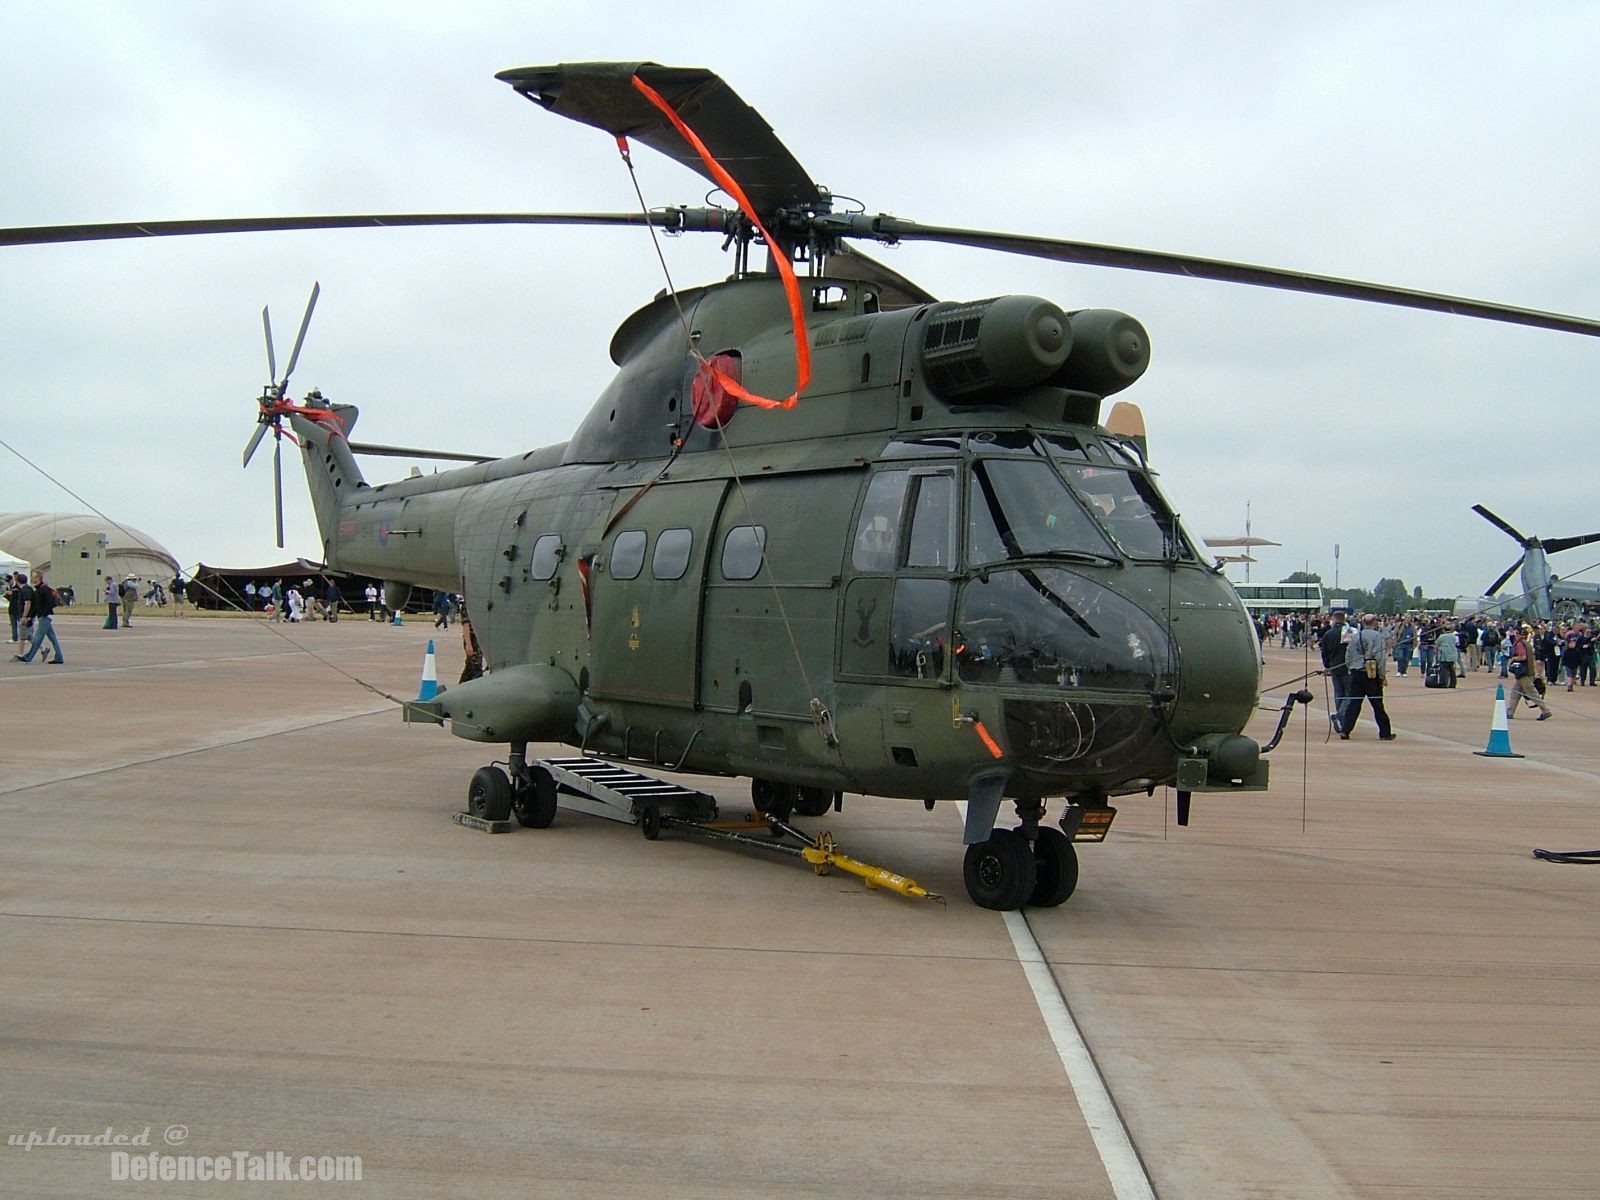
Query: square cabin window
671	558
627	554
546	555
742	551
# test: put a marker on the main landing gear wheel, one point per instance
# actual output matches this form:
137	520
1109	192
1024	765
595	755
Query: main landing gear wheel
812	801
489	794
1056	861
775	800
535	805
1001	873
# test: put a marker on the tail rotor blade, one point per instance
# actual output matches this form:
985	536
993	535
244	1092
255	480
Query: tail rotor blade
277	485
1504	575
255	440
294	355
1498	523
272	362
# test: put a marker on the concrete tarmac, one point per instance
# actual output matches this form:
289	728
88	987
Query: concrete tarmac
232	900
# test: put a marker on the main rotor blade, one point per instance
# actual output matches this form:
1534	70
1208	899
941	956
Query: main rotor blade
706	219
255	440
266	326
893	229
1557	545
1498	523
277	485
602	94
299	340
1505	575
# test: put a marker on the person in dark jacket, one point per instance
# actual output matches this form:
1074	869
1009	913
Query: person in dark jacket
41	607
1332	646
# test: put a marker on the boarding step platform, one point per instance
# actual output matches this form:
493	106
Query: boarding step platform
603	789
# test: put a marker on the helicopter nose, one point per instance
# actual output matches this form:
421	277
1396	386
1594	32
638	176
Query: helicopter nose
1219	671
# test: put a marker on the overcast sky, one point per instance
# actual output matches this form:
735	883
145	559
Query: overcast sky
1445	146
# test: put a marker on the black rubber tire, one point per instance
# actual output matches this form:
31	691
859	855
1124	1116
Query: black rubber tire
535	805
1056	860
1000	873
650	822
812	801
489	794
773	799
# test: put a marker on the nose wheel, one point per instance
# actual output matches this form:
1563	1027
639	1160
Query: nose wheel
1008	871
1000	873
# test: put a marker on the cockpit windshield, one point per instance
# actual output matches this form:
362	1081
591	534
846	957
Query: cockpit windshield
1018	508
1131	509
1045	625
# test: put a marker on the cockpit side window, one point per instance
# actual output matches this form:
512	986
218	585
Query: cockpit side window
876	546
932	541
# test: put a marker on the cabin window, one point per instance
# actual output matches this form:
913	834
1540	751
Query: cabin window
627	554
671	558
932	542
742	551
877	541
546	556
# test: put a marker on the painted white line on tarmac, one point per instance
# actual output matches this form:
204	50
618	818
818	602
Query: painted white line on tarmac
1121	1161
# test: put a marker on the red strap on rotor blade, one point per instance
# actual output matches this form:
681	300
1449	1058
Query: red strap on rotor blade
791	286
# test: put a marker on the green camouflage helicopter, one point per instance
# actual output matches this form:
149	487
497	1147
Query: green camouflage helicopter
822	529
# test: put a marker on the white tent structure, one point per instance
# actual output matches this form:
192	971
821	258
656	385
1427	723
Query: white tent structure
36	538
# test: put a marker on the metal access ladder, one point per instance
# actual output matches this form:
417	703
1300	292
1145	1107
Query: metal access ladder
603	789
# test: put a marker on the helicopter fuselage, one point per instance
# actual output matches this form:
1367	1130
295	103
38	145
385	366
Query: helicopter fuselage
915	578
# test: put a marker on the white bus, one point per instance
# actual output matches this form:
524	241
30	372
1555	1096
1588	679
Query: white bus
1264	598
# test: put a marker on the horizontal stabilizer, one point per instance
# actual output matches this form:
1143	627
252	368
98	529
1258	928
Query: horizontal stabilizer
413	452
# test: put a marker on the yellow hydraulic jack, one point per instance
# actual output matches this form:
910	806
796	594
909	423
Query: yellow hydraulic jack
819	851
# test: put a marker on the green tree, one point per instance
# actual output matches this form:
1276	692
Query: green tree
1390	596
1303	577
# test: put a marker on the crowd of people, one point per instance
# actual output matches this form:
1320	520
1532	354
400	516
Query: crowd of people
1531	656
31	603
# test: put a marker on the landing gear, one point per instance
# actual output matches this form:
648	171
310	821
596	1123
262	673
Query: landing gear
1031	865
813	801
535	801
1056	861
489	794
1001	873
776	800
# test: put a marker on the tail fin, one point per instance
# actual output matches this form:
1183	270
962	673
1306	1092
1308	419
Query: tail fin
331	470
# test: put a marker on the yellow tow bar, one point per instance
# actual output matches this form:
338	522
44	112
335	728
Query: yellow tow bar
823	857
819	851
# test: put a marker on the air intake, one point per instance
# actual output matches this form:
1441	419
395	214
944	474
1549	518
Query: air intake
994	345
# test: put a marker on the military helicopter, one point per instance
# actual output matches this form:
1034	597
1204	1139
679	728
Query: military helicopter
1549	596
824	530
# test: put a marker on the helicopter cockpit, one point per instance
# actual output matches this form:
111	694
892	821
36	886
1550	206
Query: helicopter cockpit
1044	517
